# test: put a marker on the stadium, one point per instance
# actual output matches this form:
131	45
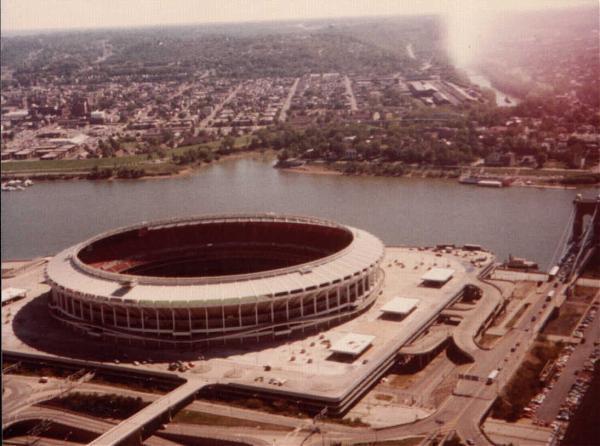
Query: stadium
215	279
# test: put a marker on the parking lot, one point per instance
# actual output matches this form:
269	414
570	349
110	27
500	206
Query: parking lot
569	378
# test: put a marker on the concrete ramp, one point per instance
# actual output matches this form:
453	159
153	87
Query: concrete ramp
479	317
132	430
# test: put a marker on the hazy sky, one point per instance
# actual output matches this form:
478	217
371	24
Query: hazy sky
56	14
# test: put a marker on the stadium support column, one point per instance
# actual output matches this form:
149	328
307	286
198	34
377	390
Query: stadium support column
128	322
190	320
102	314
272	312
91	313
115	317
142	318
338	293
272	318
256	316
173	319
240	320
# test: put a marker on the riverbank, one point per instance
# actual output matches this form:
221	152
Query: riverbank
517	177
168	169
312	169
151	170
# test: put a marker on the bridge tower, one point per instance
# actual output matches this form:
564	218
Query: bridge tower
584	207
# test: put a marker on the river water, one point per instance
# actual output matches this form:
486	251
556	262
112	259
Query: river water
527	222
502	99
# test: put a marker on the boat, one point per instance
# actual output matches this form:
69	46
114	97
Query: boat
468	179
490	183
16	185
484	181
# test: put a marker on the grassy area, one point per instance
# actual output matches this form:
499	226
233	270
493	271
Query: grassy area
525	383
195	417
104	406
592	268
568	316
276	406
409	441
27	369
454	440
584	293
517	316
72	165
132	161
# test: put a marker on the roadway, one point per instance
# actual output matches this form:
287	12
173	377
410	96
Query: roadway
84	423
204	123
464	334
22	393
288	101
135	424
350	94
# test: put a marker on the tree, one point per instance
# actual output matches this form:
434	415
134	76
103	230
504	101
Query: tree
541	159
227	144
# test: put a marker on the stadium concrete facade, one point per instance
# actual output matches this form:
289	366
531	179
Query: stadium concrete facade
214	279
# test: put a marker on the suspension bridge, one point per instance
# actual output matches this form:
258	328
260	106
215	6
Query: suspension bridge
580	239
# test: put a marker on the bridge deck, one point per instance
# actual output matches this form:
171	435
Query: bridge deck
135	423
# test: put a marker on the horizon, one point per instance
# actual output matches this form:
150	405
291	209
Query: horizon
77	16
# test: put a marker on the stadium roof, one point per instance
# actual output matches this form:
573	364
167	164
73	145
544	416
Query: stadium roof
365	250
10	293
438	275
352	344
400	305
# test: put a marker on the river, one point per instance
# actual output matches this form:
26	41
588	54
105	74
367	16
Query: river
50	216
502	99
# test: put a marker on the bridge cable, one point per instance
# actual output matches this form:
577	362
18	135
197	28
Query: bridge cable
589	231
562	241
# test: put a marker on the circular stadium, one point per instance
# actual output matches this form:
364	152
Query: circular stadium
197	281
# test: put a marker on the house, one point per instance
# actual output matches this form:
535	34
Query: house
498	159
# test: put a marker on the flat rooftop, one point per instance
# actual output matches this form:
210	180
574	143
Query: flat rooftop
400	305
352	344
438	275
